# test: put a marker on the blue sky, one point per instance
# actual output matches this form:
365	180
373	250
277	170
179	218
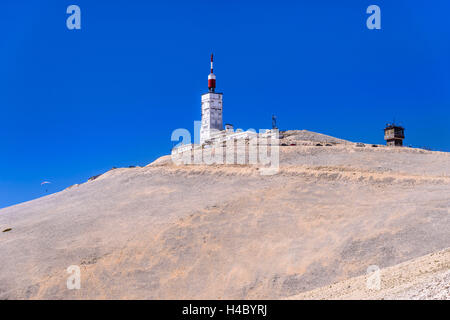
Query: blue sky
75	103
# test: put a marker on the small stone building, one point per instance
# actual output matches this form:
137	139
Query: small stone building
394	135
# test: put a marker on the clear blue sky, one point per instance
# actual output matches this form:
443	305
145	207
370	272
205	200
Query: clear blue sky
75	103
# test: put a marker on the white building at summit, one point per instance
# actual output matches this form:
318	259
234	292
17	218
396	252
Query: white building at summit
212	130
212	107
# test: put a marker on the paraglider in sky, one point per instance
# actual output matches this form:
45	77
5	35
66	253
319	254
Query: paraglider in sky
45	183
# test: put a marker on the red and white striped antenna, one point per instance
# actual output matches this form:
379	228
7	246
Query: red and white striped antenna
212	59
211	78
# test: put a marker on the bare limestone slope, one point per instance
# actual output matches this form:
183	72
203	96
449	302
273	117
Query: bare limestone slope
427	277
166	231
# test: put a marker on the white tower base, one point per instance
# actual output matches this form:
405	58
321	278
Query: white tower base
211	115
